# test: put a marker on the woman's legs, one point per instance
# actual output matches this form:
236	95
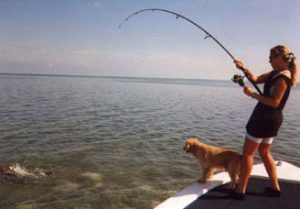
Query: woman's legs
266	157
249	150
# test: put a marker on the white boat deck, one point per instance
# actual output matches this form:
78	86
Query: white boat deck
286	172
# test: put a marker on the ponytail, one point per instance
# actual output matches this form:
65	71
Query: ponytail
289	58
294	71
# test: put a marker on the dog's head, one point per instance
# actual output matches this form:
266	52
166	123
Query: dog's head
191	145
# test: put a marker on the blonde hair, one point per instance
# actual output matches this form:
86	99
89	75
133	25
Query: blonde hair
288	57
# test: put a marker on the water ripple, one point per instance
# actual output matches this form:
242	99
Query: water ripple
117	143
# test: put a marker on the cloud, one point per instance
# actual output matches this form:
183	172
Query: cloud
47	57
97	4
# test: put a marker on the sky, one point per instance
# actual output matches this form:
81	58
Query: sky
82	37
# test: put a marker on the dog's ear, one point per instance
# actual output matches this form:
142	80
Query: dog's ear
190	145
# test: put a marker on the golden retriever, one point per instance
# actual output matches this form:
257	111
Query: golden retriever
214	159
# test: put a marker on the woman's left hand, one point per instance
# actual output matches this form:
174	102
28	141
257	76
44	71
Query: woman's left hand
248	91
239	64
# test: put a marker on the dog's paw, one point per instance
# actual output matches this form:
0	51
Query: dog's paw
232	186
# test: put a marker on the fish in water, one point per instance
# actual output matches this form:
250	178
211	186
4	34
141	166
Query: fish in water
20	171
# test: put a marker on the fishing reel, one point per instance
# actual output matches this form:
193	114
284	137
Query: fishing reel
239	79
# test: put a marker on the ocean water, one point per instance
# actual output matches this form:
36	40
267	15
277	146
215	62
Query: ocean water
117	143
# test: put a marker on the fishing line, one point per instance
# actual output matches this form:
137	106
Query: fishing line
207	35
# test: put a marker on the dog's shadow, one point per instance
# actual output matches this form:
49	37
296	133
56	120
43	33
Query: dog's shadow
224	193
217	193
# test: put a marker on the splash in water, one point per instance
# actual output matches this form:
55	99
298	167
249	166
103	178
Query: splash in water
21	171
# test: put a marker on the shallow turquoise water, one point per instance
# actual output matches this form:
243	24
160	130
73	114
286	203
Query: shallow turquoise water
117	142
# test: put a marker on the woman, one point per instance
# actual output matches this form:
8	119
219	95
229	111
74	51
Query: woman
267	117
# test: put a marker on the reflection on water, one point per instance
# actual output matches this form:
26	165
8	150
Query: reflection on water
117	142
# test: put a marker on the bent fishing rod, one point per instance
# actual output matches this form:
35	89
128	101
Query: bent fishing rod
236	78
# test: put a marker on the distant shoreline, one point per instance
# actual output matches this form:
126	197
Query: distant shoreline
109	77
147	79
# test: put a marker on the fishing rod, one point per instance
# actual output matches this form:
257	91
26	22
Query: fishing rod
207	35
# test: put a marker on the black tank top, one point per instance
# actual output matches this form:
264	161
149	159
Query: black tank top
265	120
268	88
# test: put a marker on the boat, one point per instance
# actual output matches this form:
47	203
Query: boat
215	194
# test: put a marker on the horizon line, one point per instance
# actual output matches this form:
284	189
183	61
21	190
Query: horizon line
102	76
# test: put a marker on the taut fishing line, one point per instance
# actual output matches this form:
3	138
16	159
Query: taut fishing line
236	78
